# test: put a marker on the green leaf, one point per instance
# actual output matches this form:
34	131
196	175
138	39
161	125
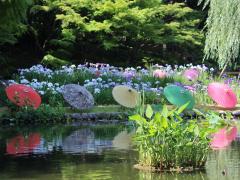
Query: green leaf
149	112
165	111
182	108
164	122
198	112
35	9
189	144
196	131
136	117
157	117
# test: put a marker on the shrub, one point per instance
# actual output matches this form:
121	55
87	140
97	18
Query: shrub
44	114
54	62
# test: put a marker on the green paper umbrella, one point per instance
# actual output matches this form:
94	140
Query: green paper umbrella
178	96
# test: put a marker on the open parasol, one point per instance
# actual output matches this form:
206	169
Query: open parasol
125	96
191	74
23	95
159	73
178	96
222	94
78	96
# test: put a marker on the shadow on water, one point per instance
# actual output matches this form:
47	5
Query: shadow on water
91	152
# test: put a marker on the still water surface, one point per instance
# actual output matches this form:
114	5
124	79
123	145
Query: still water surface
91	152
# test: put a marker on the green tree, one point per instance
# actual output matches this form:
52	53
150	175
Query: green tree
223	32
12	16
138	28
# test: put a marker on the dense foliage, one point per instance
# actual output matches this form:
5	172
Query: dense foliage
223	31
117	31
12	16
136	28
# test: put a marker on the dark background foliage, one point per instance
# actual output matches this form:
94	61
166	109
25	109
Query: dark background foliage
120	32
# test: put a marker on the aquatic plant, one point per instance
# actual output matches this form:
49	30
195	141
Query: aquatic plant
167	141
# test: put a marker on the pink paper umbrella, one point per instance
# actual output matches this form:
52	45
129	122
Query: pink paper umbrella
191	74
222	94
159	73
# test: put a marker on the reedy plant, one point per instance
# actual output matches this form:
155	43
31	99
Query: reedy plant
166	141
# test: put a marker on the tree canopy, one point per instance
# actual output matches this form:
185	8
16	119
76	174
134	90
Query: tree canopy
111	31
223	31
139	27
12	16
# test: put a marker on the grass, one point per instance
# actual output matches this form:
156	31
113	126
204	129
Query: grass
99	109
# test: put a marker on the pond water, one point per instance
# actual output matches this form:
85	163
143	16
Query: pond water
91	152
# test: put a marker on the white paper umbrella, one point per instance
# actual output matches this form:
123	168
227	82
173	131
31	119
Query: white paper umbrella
125	96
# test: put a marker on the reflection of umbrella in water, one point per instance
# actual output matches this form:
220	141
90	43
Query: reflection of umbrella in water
84	141
178	96
125	96
23	95
222	94
78	96
122	140
224	137
20	145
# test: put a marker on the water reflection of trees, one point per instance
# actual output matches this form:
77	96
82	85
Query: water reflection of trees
84	162
114	165
107	164
224	164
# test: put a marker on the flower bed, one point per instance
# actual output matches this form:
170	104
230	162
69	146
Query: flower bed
100	79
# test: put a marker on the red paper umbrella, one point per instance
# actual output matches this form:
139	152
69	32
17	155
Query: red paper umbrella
222	94
224	137
191	74
20	145
23	95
